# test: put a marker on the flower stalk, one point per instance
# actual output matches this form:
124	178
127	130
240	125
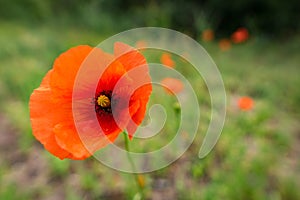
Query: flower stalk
139	179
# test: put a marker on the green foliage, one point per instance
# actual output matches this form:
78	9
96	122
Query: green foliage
58	167
192	17
10	192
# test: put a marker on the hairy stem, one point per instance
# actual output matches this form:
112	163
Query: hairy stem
137	176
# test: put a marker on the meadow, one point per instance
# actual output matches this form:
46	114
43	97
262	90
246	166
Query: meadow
256	157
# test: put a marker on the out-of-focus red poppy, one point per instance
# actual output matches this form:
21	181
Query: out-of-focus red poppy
224	44
141	44
51	111
240	35
245	103
167	60
208	35
172	86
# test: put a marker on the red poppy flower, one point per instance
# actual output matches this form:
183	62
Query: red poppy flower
51	109
141	44
172	85
167	60
208	35
240	35
245	103
224	44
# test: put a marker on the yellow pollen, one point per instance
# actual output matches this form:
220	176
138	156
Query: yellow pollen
103	101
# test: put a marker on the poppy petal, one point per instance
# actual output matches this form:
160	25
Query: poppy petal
141	89
69	141
40	112
128	56
65	68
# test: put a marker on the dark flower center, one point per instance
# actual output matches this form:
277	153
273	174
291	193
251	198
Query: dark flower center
103	102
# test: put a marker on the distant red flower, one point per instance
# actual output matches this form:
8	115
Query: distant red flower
224	44
167	60
141	44
245	103
240	35
172	85
208	35
51	112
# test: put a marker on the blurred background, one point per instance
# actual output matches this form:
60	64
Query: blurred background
254	43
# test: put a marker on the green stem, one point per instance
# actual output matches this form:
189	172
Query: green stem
140	187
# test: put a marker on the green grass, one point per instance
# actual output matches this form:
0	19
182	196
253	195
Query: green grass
257	156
